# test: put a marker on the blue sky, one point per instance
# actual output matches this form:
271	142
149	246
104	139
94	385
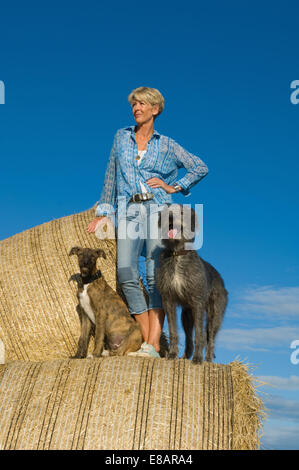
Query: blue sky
225	70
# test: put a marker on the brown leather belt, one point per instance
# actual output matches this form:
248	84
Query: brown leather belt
142	197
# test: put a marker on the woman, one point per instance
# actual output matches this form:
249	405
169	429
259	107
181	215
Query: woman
142	172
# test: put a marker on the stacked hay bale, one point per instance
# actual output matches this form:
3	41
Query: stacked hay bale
127	403
48	401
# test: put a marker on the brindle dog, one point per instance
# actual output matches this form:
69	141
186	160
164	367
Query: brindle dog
102	311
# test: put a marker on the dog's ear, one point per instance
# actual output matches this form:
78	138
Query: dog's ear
74	251
101	253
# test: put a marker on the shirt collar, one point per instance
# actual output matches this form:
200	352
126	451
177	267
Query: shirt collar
132	130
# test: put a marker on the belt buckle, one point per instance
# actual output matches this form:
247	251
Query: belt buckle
142	197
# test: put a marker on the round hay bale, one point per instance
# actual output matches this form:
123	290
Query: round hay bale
38	318
127	403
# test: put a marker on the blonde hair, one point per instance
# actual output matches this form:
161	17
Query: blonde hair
149	95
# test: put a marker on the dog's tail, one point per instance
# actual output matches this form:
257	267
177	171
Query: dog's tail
215	308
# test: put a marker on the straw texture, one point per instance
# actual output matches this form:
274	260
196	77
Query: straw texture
38	318
120	403
249	410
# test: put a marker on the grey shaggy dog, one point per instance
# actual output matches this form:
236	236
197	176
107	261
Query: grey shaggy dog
184	278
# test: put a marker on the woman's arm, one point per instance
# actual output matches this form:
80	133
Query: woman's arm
196	168
106	203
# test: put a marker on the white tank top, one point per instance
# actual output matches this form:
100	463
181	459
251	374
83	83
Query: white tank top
141	154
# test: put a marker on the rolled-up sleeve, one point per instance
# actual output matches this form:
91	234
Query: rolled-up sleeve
196	168
107	201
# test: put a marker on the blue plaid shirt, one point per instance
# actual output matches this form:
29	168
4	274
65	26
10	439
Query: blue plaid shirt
162	159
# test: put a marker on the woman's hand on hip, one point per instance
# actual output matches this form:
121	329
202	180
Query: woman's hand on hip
93	224
158	183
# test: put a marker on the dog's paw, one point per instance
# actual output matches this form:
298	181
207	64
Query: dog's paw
209	358
187	355
105	353
90	356
96	354
197	360
172	356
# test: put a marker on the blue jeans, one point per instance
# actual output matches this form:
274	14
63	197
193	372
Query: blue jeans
137	235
